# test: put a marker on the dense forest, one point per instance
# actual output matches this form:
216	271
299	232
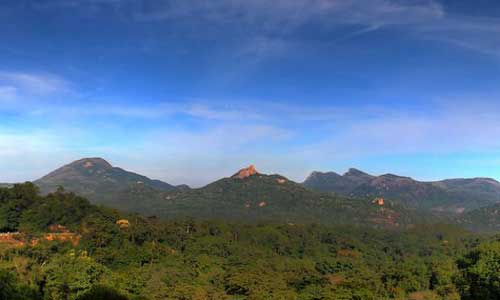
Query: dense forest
61	247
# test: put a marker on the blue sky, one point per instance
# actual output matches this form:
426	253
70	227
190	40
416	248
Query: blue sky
189	91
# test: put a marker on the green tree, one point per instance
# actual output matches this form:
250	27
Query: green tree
11	289
71	276
481	271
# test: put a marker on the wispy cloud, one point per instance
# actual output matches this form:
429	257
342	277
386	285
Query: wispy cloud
195	141
33	83
269	26
466	125
291	14
84	108
275	23
272	138
479	34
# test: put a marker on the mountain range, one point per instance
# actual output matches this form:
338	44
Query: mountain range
353	198
247	195
451	195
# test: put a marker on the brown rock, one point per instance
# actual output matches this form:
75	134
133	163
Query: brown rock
379	201
246	172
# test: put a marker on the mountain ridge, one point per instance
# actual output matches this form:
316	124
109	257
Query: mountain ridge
251	195
248	196
459	194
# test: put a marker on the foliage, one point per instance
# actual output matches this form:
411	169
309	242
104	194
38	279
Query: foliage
12	289
481	268
206	259
449	195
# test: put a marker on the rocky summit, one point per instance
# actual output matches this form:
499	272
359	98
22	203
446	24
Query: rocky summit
245	172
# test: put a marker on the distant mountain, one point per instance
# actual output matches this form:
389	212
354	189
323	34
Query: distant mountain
452	195
99	181
251	196
247	195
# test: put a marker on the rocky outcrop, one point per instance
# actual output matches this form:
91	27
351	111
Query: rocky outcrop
245	172
379	201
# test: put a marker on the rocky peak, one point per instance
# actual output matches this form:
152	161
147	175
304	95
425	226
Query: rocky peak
245	172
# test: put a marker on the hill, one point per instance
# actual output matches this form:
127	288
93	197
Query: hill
246	196
99	181
252	196
452	195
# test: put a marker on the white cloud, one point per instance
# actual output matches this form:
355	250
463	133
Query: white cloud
454	126
34	84
279	140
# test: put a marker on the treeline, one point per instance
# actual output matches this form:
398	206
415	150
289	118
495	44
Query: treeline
147	258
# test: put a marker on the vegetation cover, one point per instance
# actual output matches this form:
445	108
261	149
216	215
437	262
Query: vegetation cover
247	196
117	256
450	195
326	198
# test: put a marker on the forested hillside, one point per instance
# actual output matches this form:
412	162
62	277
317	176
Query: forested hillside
451	195
62	247
247	196
98	180
260	197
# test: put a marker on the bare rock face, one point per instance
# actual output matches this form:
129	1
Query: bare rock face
379	201
246	172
